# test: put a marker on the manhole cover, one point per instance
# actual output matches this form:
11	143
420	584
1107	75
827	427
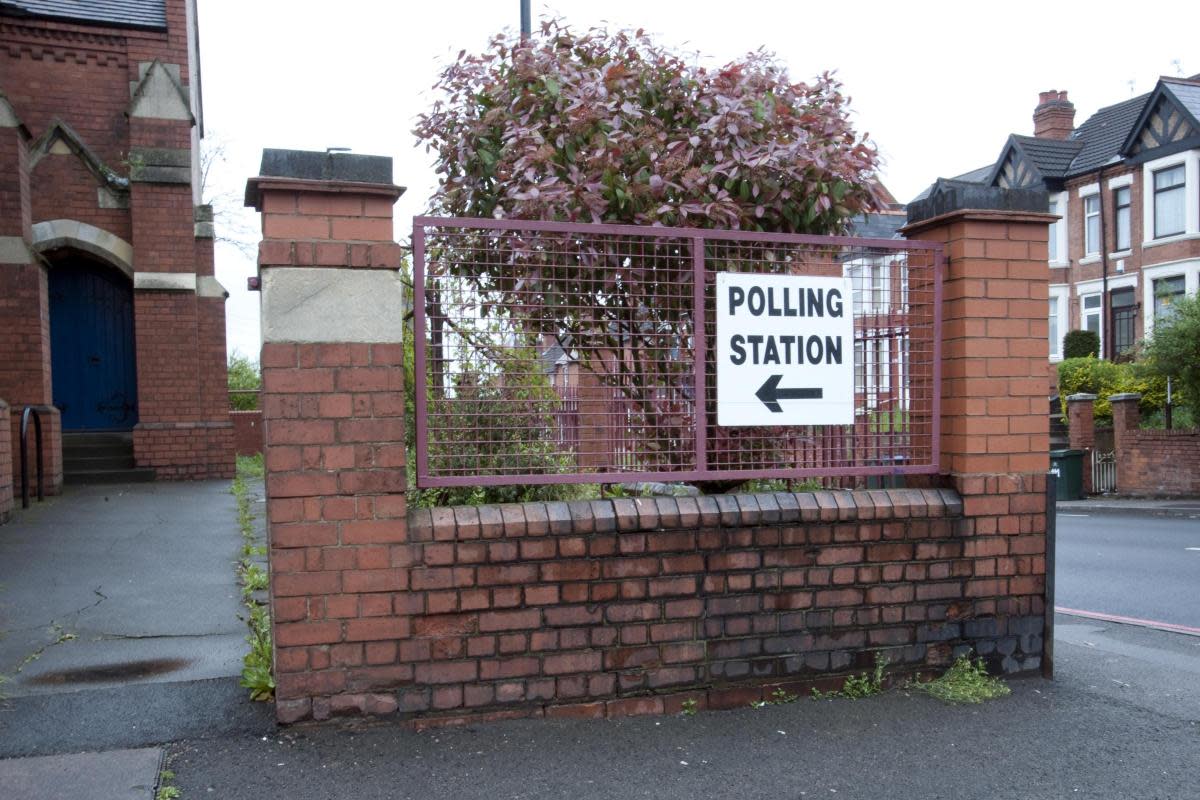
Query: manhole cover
106	673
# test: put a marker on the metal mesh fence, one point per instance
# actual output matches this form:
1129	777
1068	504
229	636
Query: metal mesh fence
556	353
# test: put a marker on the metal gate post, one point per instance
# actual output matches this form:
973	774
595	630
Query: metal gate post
1051	540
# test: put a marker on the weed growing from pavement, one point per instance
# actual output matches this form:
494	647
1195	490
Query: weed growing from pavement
966	681
690	707
777	698
256	665
858	686
165	790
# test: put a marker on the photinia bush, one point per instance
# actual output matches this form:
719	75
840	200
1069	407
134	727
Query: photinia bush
611	127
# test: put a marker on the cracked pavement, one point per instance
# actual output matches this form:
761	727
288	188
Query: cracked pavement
106	577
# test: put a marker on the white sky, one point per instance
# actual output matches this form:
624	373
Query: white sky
937	85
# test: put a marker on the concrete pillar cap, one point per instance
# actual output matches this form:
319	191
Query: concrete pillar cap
1124	397
1081	397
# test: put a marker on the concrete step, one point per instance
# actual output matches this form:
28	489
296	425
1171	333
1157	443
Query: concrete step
94	476
98	460
97	438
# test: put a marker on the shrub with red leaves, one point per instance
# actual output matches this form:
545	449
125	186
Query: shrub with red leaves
611	127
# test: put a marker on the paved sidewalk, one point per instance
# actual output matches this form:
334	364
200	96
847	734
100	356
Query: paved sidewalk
1121	721
112	585
1187	508
114	775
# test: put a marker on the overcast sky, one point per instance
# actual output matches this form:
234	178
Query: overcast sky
938	86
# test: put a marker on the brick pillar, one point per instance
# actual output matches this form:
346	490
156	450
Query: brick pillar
24	301
1082	431
1127	418
995	430
183	429
333	412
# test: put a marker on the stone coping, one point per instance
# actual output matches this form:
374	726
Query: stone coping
625	515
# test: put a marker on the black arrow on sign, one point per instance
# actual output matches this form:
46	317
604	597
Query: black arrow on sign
771	394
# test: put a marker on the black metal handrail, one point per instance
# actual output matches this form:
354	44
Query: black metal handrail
30	411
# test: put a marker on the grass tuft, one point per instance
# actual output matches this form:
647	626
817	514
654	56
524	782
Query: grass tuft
966	681
257	674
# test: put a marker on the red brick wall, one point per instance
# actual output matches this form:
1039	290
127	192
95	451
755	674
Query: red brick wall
184	429
6	465
618	607
1081	428
621	607
1157	463
247	432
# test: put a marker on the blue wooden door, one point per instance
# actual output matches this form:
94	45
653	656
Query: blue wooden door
91	347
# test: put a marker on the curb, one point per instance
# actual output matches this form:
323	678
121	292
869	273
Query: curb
1113	509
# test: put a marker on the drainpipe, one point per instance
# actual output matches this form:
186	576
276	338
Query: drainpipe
1105	311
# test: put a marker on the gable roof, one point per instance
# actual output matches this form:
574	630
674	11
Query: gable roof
1175	106
1052	157
1187	92
150	14
1104	133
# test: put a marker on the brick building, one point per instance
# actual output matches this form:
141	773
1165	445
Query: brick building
110	317
1126	186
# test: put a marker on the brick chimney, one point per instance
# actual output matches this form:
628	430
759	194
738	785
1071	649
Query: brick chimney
1054	117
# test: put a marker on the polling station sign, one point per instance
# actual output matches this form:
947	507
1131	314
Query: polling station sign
785	350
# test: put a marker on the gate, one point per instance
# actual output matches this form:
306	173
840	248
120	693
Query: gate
1104	472
509	313
91	347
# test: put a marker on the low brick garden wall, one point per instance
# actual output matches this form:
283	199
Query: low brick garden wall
632	606
247	432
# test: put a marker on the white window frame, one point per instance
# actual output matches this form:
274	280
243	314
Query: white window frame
1059	231
1188	268
1061	293
1083	193
1115	282
1099	312
1190	159
1121	182
1091	248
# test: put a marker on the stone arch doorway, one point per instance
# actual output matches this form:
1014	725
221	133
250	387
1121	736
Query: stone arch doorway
92	352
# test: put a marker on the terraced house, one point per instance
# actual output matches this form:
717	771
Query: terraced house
111	320
1126	186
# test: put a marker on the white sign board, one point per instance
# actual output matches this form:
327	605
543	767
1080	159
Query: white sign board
785	350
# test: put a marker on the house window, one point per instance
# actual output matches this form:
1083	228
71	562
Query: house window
1166	292
1124	315
1121	203
1169	201
1091	225
1090	314
1055	341
1054	209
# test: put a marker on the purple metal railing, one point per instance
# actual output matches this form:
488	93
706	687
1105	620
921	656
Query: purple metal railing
565	353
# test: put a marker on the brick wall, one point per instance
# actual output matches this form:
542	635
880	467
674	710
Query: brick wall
7	482
619	607
623	607
1157	463
1081	430
247	432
